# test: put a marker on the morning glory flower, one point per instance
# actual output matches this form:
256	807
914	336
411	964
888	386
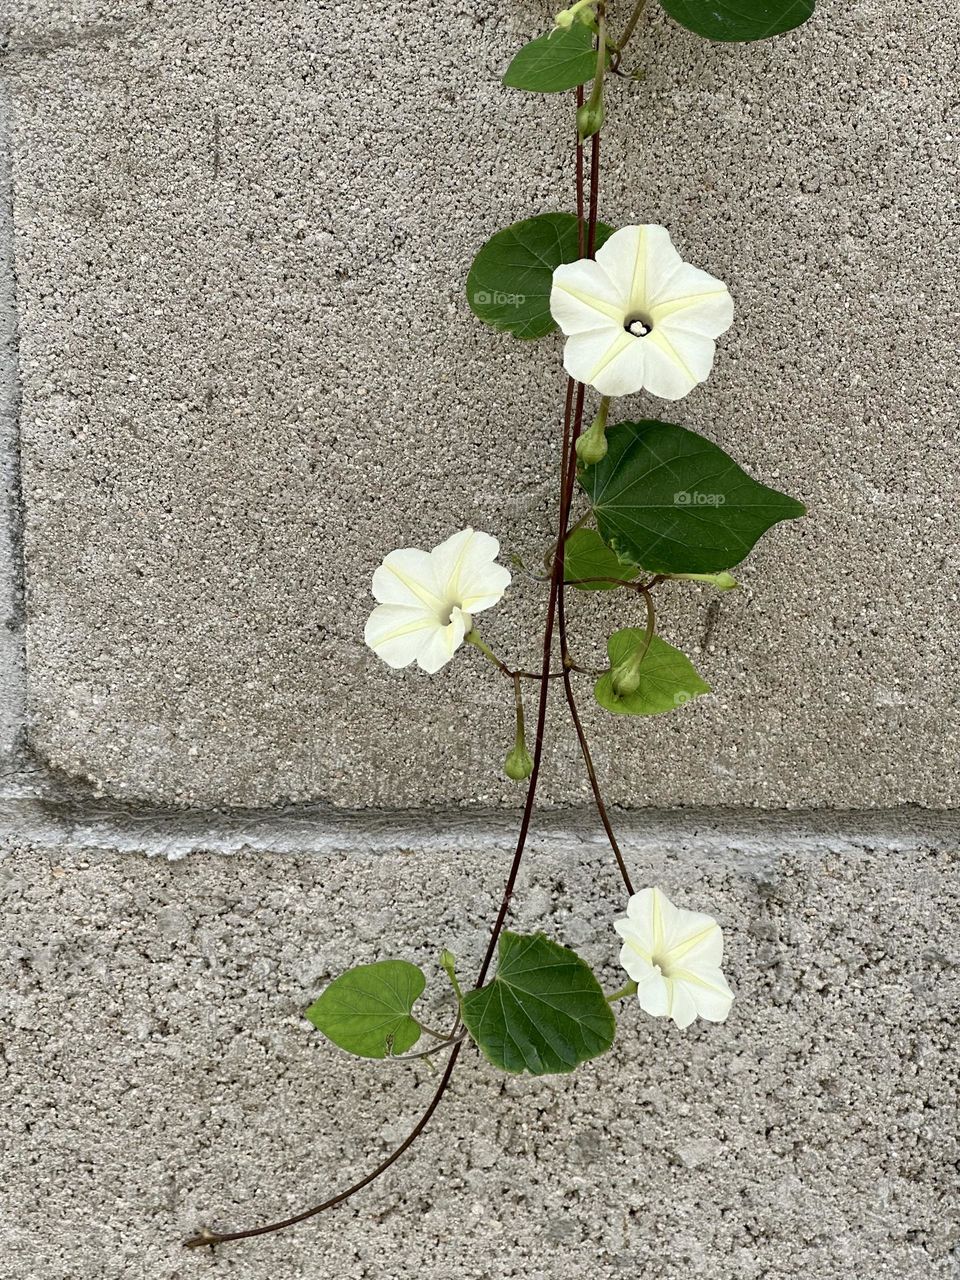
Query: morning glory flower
428	599
639	317
674	957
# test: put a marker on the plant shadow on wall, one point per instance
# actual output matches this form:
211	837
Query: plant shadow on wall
662	504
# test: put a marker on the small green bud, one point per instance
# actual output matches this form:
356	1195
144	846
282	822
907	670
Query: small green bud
625	676
519	763
582	11
590	119
448	963
592	445
722	581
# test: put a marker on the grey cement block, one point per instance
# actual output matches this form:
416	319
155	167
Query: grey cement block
249	370
161	1075
11	610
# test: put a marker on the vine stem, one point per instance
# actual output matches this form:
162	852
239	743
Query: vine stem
572	426
570	468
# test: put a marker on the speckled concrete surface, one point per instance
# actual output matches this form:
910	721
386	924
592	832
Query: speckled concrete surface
249	371
161	1076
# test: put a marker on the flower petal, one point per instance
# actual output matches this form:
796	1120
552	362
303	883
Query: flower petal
399	633
642	260
465	570
674	364
683	1009
653	994
484	587
407	577
442	644
635	954
698	941
655	919
708	989
610	359
696	301
583	297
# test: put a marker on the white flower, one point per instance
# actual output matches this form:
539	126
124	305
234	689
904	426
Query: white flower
674	958
639	316
428	599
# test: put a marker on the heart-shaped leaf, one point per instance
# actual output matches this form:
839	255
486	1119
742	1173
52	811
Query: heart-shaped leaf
589	564
544	1012
554	62
739	19
670	500
510	281
367	1009
667	677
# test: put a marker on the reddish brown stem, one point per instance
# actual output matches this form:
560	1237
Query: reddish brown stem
573	422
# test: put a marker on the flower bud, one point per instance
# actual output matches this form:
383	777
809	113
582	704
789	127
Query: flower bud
590	119
625	676
592	445
582	11
519	763
722	581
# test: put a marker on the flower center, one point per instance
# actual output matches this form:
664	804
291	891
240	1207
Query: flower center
447	612
637	325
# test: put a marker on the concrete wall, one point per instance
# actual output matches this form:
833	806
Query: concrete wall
237	367
249	371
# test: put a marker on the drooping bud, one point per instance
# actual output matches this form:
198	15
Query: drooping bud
625	676
519	763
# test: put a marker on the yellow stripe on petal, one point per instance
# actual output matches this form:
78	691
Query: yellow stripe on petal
669	350
615	349
419	590
681	949
661	310
594	303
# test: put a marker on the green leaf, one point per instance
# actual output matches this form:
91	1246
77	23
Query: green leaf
668	499
587	556
740	20
367	1009
544	1012
668	678
554	62
509	283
